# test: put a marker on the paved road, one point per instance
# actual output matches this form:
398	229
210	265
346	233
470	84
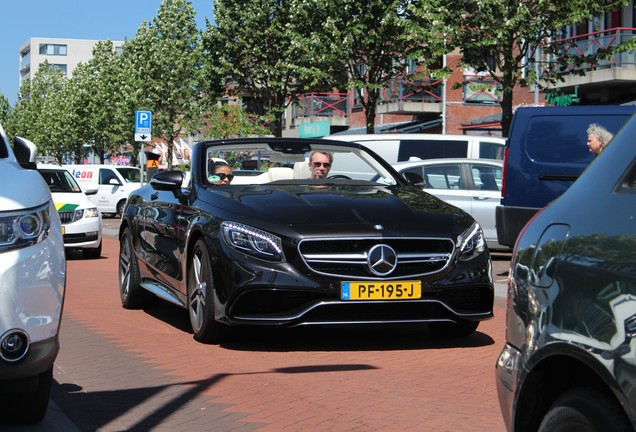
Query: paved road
141	370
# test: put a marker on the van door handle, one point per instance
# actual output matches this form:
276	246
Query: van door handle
480	197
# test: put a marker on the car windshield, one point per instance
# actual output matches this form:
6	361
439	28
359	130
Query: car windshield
60	181
256	163
130	174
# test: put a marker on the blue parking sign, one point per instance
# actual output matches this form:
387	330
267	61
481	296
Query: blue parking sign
143	121
143	126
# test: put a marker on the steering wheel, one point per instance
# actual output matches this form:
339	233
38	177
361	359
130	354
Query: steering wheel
339	176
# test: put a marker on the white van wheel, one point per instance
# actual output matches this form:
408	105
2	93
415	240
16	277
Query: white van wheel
120	207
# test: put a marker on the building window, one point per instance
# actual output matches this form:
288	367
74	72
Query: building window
60	67
53	49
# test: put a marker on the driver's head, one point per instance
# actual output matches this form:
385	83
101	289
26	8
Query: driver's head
320	164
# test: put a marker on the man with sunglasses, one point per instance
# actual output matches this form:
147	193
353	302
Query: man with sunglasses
320	164
220	174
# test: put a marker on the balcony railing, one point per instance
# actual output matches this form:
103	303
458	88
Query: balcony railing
321	105
479	89
591	43
405	90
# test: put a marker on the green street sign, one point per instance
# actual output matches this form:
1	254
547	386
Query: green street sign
315	129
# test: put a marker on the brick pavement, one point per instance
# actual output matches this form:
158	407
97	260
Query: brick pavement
141	370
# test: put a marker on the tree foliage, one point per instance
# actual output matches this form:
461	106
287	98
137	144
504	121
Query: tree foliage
231	121
34	116
263	48
370	38
500	37
167	63
5	108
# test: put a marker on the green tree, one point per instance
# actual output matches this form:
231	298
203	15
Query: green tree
32	118
500	37
263	47
100	89
370	38
231	121
167	59
5	108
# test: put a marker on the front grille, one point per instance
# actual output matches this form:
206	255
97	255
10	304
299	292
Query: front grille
67	217
348	258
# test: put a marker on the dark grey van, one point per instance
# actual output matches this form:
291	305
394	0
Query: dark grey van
545	153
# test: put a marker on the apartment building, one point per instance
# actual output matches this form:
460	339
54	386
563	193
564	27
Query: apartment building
473	108
62	54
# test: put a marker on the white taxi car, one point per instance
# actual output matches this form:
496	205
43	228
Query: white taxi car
81	221
32	285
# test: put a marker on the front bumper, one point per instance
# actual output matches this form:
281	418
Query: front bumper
86	233
32	285
22	375
508	370
279	295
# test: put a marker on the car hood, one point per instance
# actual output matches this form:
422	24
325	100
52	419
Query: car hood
398	209
27	188
68	201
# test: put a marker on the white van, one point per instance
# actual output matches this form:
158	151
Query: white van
401	147
112	182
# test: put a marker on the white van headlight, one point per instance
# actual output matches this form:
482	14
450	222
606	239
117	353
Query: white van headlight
25	228
471	243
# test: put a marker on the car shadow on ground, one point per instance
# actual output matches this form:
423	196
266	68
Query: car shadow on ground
363	338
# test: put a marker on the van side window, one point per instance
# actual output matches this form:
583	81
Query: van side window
566	135
428	149
106	175
490	150
443	177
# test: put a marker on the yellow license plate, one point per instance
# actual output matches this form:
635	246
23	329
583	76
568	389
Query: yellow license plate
381	290
63	230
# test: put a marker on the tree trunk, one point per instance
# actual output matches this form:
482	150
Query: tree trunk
370	110
506	111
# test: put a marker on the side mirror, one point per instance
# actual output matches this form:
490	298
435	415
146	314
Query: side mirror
26	152
114	182
90	191
167	180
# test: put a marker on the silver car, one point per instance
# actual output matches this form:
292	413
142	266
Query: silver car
32	281
473	185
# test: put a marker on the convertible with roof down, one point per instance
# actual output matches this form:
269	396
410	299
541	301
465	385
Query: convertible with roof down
286	248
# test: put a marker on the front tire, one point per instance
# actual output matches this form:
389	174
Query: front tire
93	253
201	297
585	410
132	295
121	205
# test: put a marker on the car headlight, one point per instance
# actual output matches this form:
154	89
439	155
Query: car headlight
471	243
24	228
91	212
253	241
